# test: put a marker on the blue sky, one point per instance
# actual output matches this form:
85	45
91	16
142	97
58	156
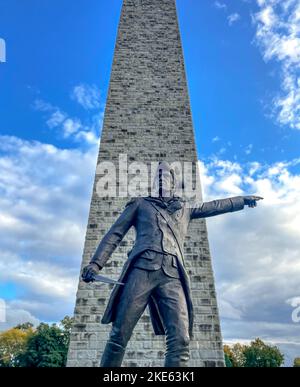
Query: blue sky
242	61
53	46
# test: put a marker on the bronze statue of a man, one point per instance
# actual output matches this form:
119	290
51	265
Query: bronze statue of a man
155	273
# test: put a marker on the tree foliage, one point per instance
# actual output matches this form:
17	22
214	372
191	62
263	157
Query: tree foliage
257	354
228	362
297	362
45	346
12	344
25	326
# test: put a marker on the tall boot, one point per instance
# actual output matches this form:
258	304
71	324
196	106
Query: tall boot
112	355
179	358
175	363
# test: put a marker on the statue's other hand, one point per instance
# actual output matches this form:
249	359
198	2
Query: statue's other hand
251	201
89	272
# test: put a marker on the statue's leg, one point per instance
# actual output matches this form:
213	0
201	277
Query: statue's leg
172	306
113	355
132	303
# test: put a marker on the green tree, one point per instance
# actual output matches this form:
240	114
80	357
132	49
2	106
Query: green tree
238	351
228	362
25	326
234	355
48	347
229	357
13	344
297	362
259	354
66	324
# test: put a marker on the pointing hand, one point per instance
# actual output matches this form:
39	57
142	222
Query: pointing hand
251	201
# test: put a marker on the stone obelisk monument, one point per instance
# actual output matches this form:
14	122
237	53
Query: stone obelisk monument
148	118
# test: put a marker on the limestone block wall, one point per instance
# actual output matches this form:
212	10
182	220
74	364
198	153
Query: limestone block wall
148	118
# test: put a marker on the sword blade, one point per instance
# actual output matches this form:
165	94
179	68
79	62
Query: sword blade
101	278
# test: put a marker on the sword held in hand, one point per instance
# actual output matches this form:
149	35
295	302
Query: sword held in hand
106	280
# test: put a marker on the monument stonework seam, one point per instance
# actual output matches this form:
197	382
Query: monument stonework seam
147	117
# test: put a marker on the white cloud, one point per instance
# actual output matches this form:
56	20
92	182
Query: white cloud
228	311
88	96
45	195
278	36
220	5
2	50
222	150
249	149
57	118
256	251
16	316
87	136
233	18
71	127
43	106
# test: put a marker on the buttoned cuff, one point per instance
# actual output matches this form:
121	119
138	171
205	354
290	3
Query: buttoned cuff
95	261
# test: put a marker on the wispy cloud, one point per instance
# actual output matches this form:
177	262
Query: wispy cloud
2	50
233	18
88	96
278	36
222	150
72	127
56	118
220	5
249	149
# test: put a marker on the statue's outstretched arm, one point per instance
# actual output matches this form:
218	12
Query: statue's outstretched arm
222	206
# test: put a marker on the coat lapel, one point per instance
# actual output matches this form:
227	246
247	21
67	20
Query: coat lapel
171	225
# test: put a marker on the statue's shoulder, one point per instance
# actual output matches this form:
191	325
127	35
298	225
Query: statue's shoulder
134	201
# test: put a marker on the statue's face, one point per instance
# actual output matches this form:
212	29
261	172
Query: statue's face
165	180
